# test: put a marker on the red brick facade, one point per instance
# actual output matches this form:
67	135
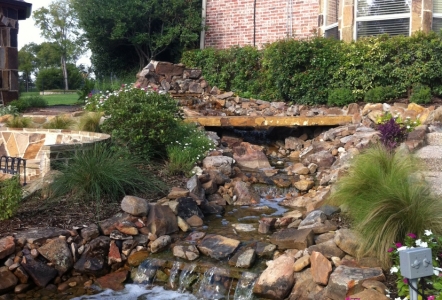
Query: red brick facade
239	22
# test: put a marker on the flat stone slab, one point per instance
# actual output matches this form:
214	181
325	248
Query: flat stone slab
218	246
39	235
431	156
271	121
292	238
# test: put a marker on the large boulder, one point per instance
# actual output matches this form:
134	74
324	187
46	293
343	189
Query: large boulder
277	280
161	220
250	156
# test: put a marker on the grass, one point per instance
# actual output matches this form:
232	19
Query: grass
58	99
102	173
19	122
59	122
385	201
90	122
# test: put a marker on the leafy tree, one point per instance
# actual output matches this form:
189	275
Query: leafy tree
59	24
136	30
27	62
52	78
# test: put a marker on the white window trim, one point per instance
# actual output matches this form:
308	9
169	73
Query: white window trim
325	15
377	18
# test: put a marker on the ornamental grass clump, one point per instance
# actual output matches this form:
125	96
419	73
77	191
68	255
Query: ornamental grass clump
385	201
102	174
59	122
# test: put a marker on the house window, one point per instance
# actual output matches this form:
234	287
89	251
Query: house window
331	19
374	17
437	15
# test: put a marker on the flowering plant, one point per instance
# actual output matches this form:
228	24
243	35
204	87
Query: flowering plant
433	284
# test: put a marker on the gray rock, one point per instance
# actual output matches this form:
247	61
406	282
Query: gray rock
94	258
160	243
40	235
135	206
90	232
313	219
221	163
186	252
57	252
161	220
187	207
40	272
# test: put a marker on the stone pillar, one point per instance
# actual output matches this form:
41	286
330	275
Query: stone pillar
427	15
348	20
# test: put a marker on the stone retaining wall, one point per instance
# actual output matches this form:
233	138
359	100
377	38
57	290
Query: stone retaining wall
42	148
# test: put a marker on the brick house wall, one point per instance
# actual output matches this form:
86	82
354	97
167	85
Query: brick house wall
231	22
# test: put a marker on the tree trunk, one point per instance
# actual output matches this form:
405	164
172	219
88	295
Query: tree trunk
27	82
65	72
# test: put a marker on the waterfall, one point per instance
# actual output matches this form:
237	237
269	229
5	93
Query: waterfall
244	287
187	278
147	271
215	284
173	277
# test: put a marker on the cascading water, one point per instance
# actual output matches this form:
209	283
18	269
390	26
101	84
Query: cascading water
173	282
187	278
244	288
215	284
147	271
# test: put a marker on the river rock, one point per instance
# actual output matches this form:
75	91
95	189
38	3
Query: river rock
113	281
321	268
161	220
108	225
21	274
218	246
7	280
7	246
114	255
222	164
313	219
328	249
319	239
277	280
118	235
177	192
250	156
195	221
94	258
265	249
57	252
345	278
182	224
40	272
245	195
127	227
293	143
186	252
304	185
301	263
22	288
194	187
370	294
90	232
188	207
160	243
135	206
136	258
244	227
347	240
291	238
305	287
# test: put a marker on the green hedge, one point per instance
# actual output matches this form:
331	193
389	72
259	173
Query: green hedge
307	71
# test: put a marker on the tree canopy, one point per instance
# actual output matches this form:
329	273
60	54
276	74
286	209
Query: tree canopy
59	25
126	34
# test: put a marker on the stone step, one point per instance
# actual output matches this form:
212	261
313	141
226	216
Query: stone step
431	157
434	139
434	179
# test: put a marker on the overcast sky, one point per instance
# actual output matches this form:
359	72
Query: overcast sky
28	33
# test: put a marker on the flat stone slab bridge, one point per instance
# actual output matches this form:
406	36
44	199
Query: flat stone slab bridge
270	121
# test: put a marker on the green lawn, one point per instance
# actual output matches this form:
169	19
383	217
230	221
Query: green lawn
58	99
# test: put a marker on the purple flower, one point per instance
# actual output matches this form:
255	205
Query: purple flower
412	235
398	245
391	249
405	280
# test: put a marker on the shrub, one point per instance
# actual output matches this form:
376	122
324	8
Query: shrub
8	110
103	174
90	122
86	89
421	94
340	97
10	196
392	133
59	122
19	122
380	94
143	121
25	103
189	148
384	201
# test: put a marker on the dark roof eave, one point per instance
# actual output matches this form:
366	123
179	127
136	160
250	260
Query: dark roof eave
26	8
